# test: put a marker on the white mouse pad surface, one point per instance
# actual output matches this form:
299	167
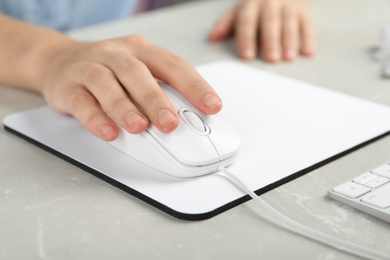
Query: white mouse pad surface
287	128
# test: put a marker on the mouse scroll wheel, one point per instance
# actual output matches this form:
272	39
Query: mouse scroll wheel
195	121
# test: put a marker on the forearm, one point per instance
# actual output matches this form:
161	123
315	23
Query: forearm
25	51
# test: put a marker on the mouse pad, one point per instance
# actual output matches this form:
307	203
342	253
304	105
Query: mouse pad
287	128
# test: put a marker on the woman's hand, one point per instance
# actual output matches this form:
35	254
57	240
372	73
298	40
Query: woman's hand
279	29
114	82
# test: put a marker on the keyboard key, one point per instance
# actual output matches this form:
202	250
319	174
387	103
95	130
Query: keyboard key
379	198
383	170
366	177
377	182
351	189
368	192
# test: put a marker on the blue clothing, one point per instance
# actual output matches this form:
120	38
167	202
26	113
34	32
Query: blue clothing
67	14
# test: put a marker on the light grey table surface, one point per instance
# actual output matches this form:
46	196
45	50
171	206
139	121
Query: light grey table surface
50	209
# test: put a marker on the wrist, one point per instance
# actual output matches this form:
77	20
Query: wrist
44	57
26	51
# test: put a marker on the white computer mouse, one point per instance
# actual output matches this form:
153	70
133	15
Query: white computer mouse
196	147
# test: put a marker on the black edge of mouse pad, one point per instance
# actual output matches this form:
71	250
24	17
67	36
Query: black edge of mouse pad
186	216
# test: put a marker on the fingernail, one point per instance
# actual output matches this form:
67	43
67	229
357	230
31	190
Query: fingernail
107	129
290	54
309	50
274	55
133	119
165	117
248	53
212	101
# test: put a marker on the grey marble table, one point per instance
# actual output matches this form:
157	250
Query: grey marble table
50	209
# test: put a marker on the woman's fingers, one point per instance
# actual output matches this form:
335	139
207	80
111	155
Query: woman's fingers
270	31
138	81
308	39
247	29
103	84
290	33
172	69
125	88
86	109
224	26
122	80
115	81
280	29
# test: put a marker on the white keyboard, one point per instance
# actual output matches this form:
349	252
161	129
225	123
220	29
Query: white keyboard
369	192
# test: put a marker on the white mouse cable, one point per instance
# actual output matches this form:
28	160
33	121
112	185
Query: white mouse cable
329	240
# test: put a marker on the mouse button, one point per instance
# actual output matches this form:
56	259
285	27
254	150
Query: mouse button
185	146
223	136
195	121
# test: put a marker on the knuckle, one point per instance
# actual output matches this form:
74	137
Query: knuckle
99	48
76	101
117	105
150	97
103	46
95	74
173	61
90	118
129	63
197	86
245	5
270	17
137	40
246	21
76	66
